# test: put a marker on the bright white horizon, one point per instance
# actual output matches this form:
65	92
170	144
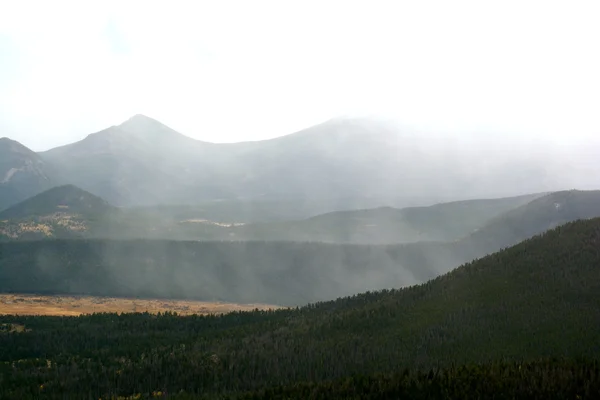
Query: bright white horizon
235	70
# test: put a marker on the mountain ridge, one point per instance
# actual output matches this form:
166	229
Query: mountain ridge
332	166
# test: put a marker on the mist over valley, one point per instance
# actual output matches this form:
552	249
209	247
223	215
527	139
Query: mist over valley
299	200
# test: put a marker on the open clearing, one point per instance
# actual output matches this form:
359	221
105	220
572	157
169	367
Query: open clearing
27	304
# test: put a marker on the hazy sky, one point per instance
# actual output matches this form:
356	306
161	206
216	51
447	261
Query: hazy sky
227	71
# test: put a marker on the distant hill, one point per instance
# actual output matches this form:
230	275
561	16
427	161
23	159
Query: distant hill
510	228
66	199
476	227
275	272
442	222
520	323
63	211
23	173
386	225
341	164
539	215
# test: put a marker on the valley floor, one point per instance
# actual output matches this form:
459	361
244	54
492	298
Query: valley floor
28	304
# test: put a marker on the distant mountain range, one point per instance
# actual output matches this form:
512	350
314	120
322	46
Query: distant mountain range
341	164
139	209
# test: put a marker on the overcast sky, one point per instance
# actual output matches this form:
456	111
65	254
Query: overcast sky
227	71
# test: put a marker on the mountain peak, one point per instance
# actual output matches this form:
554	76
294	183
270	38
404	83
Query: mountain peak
139	119
146	128
141	122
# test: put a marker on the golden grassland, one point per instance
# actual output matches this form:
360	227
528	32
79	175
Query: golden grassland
28	304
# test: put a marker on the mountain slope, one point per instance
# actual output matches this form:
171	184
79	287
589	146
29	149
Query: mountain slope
23	173
535	301
63	211
546	287
539	215
508	229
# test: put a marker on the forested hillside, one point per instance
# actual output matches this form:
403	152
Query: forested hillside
513	312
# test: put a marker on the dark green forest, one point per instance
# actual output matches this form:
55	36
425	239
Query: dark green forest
520	323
